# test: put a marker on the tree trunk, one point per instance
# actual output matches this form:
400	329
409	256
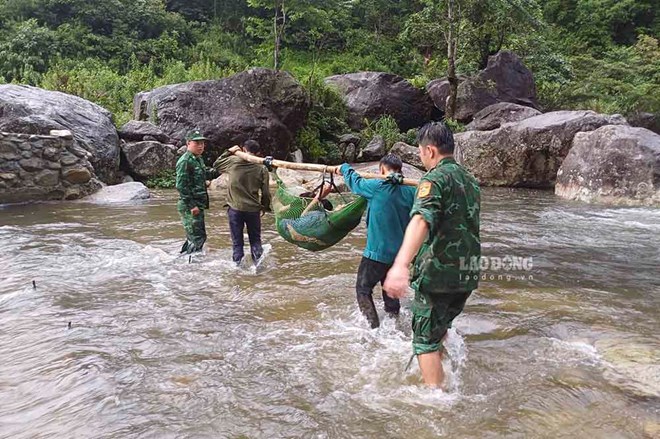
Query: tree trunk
276	31
484	51
451	61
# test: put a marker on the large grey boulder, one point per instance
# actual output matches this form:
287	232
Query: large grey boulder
120	193
348	147
145	160
438	90
370	95
408	154
527	153
650	121
31	110
505	79
137	131
259	104
612	165
375	150
496	115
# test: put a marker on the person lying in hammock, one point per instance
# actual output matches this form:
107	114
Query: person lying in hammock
320	197
312	222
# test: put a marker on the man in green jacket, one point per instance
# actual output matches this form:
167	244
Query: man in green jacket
443	230
191	177
248	195
388	213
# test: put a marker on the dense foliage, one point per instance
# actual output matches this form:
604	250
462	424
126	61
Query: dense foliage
599	54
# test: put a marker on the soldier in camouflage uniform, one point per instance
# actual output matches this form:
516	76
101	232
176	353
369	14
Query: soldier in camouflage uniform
191	177
444	229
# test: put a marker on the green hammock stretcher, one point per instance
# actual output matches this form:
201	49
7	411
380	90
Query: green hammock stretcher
318	229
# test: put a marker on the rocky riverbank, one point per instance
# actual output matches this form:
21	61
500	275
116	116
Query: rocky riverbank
508	142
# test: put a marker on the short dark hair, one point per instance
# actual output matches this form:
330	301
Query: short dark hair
437	134
252	146
393	162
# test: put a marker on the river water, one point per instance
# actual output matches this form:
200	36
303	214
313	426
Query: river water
160	347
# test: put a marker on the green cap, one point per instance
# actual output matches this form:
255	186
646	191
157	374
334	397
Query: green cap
195	135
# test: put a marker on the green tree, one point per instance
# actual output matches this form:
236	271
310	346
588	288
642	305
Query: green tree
25	51
310	20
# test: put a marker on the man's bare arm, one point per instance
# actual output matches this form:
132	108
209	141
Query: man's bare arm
396	283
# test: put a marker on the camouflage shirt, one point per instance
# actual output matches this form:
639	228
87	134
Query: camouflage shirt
191	176
448	198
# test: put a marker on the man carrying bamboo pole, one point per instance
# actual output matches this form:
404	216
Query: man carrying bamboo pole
388	213
443	230
248	196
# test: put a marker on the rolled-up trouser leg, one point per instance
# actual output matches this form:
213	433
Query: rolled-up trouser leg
253	223
236	225
433	314
195	229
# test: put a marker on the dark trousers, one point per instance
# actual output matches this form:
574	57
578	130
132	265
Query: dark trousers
237	222
369	275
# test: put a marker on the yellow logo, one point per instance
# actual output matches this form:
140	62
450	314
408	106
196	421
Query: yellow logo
424	189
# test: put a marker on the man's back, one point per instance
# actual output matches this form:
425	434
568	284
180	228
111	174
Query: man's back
247	186
388	214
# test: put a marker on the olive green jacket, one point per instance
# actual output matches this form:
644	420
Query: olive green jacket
248	183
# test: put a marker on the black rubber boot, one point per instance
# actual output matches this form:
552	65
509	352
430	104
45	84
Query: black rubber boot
366	304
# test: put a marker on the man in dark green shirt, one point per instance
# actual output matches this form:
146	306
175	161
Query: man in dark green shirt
443	231
248	195
191	177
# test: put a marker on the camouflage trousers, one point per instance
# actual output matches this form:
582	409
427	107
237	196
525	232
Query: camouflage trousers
195	229
433	315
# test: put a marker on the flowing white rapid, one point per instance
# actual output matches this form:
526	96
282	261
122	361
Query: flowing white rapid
161	347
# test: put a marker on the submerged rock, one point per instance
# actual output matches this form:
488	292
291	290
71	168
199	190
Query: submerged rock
120	193
631	366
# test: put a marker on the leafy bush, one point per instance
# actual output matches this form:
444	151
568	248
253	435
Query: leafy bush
626	80
410	137
25	49
593	54
325	122
386	127
454	125
165	180
100	83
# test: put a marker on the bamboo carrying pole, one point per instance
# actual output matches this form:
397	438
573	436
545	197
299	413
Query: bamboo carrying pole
312	167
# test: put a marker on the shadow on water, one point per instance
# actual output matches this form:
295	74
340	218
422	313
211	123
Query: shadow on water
160	347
